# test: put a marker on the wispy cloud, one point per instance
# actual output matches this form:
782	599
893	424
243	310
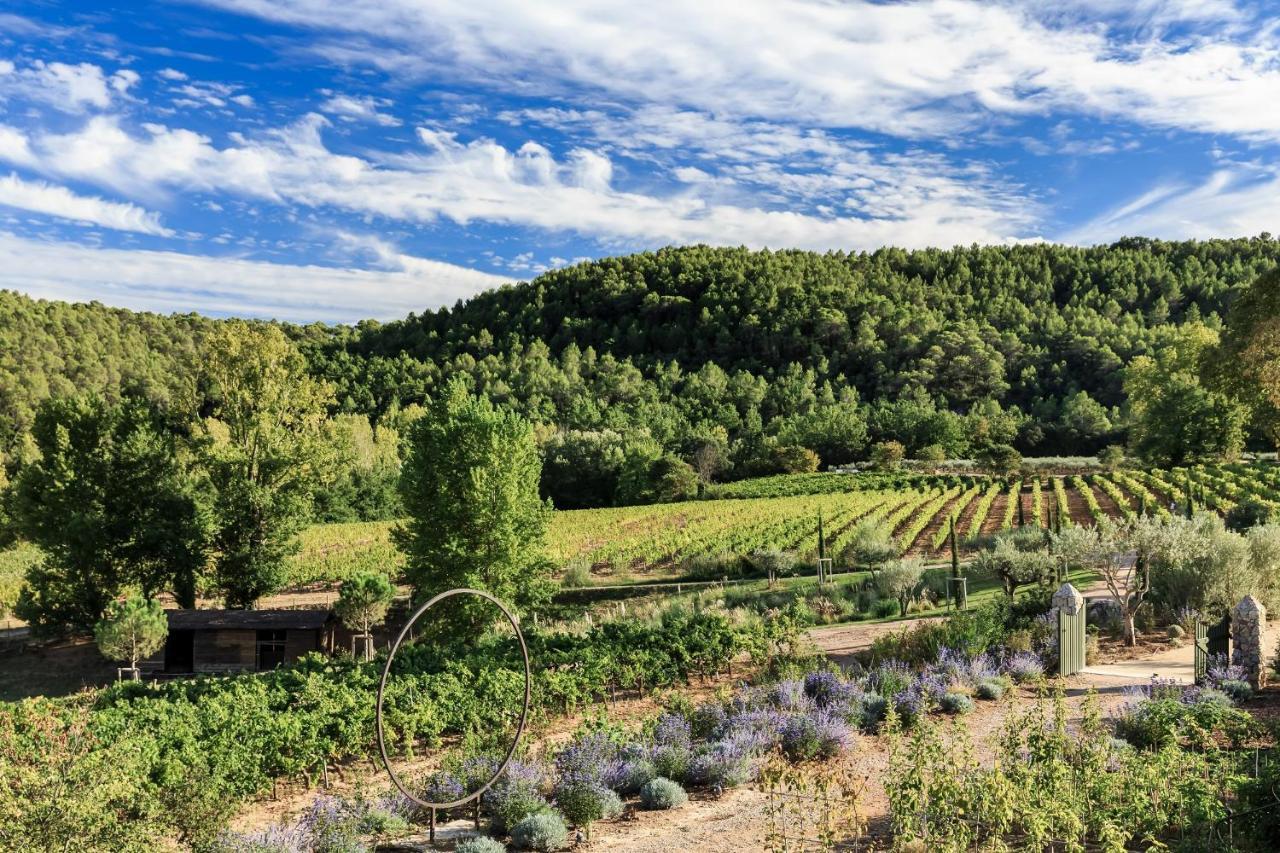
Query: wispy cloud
915	69
164	281
913	200
1231	202
41	197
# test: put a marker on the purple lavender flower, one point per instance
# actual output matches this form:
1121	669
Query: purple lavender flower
827	689
764	726
672	730
586	756
274	839
443	787
890	678
1023	667
789	695
833	733
709	720
628	775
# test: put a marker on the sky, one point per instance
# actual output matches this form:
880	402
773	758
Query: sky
308	160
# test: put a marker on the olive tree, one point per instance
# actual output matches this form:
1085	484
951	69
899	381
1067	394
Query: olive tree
133	628
900	580
871	545
774	563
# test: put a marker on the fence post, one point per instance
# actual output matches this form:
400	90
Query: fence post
1069	604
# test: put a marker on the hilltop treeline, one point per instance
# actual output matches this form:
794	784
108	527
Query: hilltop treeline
730	359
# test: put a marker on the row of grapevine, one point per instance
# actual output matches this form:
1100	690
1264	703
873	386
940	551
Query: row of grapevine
908	535
1078	483
1011	506
1141	492
1116	494
962	503
1060	497
983	509
1037	514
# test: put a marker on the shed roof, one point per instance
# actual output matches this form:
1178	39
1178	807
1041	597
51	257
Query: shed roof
248	620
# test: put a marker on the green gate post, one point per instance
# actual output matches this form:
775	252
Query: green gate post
1071	618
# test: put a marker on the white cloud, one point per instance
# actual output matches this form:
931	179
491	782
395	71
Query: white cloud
159	281
914	199
926	68
360	108
68	88
1230	203
40	197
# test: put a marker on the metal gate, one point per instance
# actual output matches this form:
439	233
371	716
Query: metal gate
1202	650
1070	641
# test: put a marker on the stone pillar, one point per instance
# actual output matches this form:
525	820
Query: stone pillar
1067	600
1248	622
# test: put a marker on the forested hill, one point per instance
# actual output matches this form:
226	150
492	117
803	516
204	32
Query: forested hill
697	341
1045	316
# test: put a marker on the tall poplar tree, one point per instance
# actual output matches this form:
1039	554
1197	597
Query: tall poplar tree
475	518
263	451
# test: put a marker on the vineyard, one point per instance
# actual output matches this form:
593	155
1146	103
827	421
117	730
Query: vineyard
661	541
657	541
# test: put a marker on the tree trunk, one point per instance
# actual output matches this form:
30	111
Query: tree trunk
1130	631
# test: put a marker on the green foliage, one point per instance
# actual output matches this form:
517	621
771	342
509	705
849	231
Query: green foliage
1051	786
133	628
177	757
480	844
1175	418
363	600
112	504
470	487
262	450
662	794
999	459
543	831
887	455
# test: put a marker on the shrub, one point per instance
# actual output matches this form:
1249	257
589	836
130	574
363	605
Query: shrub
660	794
1175	632
1238	691
584	802
541	832
1024	667
725	764
800	738
887	455
480	844
884	608
956	703
515	796
628	775
991	689
874	709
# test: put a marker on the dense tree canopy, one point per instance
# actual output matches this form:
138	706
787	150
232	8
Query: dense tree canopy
738	362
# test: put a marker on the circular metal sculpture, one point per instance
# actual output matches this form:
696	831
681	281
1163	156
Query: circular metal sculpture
524	712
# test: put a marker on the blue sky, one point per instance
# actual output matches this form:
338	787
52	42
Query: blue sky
313	160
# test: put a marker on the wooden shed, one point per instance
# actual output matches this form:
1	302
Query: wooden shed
217	641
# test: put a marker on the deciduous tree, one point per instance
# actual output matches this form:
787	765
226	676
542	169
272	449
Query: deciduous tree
263	450
475	519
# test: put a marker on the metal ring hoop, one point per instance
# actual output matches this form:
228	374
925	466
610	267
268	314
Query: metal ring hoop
524	713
